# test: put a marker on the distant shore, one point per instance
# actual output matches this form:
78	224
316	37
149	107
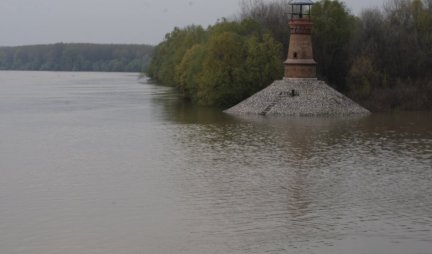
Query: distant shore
76	57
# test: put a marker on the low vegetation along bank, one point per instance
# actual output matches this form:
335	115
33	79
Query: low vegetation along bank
220	65
382	58
76	57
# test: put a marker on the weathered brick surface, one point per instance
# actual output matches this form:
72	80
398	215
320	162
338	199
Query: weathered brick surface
300	62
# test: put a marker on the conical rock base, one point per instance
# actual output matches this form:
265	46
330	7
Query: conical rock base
298	97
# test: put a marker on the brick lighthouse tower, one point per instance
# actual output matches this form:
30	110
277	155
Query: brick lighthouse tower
300	93
300	62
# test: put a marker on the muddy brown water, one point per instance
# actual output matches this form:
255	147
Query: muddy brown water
105	163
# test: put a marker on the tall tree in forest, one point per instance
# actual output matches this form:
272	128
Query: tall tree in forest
333	32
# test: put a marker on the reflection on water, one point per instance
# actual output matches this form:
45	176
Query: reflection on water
310	185
100	163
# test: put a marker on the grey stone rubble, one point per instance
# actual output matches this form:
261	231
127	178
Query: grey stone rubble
298	97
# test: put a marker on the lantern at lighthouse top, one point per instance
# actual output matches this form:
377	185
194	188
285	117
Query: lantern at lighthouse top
300	62
301	9
300	16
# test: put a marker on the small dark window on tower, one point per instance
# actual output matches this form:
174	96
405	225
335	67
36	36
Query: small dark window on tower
295	54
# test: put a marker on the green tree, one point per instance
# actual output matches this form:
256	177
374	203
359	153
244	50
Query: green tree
273	15
222	75
332	36
263	62
170	52
227	63
187	72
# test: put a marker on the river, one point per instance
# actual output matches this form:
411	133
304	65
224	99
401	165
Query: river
94	163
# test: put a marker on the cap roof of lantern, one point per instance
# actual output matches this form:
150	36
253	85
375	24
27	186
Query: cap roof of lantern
301	2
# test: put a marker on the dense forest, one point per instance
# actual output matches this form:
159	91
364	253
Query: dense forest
381	58
76	57
218	66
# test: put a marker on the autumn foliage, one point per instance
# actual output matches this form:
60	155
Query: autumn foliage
220	65
382	58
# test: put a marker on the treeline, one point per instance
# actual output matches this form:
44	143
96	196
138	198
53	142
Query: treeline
391	57
76	57
220	65
382	59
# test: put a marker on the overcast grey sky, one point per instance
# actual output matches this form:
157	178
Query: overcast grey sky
24	22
